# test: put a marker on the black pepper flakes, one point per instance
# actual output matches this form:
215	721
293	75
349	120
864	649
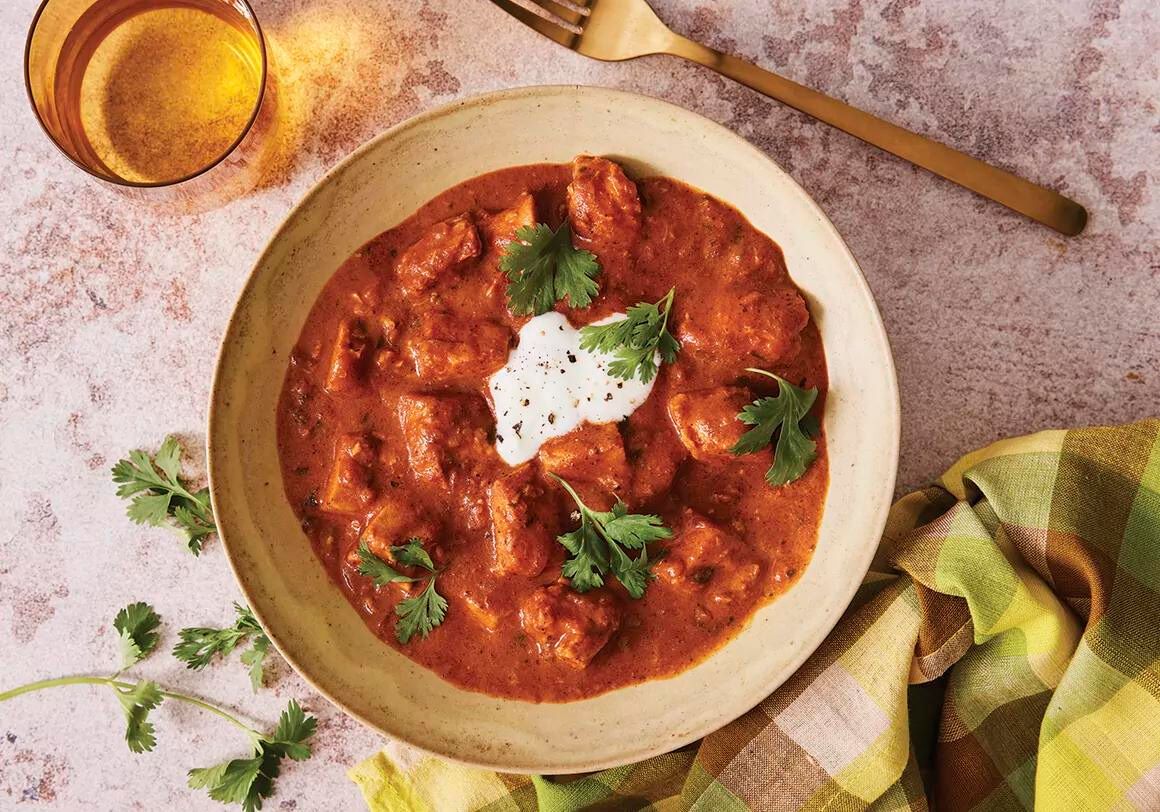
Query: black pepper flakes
517	428
703	575
552	417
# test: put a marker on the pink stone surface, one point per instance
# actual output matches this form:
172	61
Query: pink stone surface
111	311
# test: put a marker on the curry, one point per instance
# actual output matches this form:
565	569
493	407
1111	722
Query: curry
388	435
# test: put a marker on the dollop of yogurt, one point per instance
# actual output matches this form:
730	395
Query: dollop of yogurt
549	386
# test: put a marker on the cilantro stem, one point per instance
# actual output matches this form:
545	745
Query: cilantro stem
575	496
40	685
583	508
587	511
667	301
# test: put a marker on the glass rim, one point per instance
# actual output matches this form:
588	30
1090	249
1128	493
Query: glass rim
116	181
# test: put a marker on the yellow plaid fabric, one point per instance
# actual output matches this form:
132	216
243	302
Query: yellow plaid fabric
1003	653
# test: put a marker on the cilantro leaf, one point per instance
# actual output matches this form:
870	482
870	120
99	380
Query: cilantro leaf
635	574
588	557
598	546
249	781
293	731
420	613
378	570
544	267
633	530
137	701
137	626
787	415
413	555
636	340
198	645
159	497
255	658
205	777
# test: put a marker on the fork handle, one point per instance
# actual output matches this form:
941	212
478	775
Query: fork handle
1039	203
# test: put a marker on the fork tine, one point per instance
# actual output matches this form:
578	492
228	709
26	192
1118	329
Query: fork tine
561	12
553	31
570	10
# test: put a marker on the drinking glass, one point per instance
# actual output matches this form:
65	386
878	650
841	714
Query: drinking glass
164	99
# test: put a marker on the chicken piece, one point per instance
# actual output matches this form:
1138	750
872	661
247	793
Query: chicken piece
654	467
444	432
704	559
570	626
443	346
480	607
593	453
653	450
500	228
394	523
706	419
348	359
524	523
386	356
443	248
349	488
762	326
603	204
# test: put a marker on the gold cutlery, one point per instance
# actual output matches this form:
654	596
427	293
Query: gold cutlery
616	30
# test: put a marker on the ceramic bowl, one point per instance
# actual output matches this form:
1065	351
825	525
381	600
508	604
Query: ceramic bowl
375	188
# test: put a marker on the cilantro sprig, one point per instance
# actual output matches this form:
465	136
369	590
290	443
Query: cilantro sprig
198	645
598	546
159	497
420	613
245	781
787	415
636	340
544	268
249	781
137	625
137	700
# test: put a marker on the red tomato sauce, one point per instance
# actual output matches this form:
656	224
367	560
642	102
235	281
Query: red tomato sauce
386	432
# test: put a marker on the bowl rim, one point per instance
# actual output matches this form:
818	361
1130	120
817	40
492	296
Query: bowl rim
892	416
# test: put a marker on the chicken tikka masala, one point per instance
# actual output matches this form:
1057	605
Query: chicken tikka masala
559	431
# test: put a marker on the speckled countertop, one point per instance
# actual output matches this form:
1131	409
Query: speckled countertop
110	312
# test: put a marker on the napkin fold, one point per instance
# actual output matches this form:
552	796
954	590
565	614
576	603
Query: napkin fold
1002	653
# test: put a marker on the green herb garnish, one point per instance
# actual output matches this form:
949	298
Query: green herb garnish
787	414
598	546
545	268
420	613
636	340
137	624
160	498
249	781
245	781
137	700
200	644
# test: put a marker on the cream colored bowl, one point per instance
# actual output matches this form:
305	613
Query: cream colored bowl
381	184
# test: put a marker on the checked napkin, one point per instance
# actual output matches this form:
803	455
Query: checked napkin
1002	653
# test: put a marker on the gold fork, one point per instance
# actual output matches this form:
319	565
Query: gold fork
615	30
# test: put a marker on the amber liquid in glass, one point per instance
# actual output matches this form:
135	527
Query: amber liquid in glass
159	89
